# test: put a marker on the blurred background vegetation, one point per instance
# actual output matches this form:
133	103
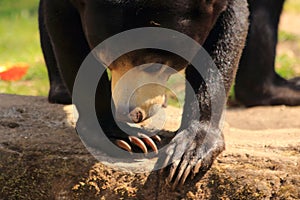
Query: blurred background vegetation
19	43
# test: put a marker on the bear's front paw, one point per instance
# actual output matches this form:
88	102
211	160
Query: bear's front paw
191	150
134	139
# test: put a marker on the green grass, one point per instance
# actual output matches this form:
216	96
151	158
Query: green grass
292	6
19	43
285	66
175	92
284	36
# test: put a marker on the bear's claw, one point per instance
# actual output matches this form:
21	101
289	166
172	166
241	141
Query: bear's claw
124	145
139	142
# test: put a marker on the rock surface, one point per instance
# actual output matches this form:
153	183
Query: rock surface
41	157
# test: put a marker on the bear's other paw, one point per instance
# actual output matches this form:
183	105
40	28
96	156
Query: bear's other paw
192	150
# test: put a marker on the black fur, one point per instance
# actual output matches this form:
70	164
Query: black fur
71	28
257	83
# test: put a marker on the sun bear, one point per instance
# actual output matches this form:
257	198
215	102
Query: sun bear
70	29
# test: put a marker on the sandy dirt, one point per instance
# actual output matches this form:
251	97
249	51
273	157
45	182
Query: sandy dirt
41	157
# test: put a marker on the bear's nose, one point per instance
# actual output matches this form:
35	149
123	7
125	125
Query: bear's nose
136	115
